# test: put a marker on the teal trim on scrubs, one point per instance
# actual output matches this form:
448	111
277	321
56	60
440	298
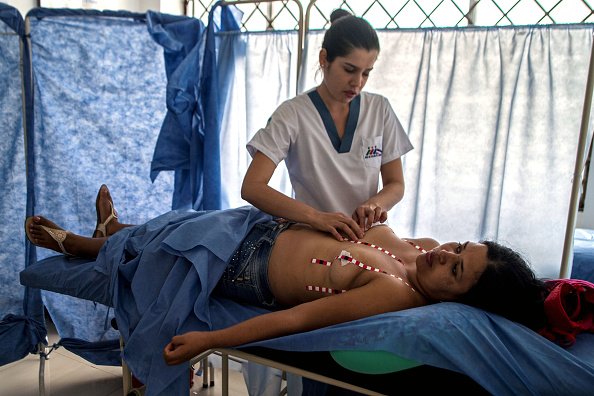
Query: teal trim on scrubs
343	146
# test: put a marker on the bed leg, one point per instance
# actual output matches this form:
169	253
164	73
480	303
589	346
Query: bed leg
42	358
212	382
283	391
205	372
225	375
126	375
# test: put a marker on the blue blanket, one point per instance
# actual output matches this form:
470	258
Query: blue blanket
159	276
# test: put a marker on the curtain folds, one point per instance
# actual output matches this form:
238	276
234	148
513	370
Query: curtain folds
261	69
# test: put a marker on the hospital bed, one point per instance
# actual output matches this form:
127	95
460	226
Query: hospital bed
442	346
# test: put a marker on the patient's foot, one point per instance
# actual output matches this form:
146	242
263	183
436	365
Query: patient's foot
51	237
107	217
46	234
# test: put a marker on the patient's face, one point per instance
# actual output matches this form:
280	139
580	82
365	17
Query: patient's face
450	270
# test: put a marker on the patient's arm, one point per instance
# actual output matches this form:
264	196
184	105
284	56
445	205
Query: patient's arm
382	294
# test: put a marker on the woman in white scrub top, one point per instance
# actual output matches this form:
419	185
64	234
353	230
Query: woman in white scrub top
336	141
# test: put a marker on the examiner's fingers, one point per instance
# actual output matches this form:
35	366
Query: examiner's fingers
336	234
351	229
355	227
373	217
359	217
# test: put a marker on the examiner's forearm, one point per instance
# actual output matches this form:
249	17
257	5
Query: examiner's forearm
276	203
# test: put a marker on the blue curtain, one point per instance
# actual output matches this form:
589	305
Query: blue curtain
22	326
100	88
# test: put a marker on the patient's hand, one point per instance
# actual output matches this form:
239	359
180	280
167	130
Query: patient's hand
184	347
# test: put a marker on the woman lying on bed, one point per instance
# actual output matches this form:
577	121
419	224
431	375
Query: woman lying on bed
322	281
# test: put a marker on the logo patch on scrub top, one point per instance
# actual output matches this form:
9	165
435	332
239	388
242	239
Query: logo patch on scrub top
373	152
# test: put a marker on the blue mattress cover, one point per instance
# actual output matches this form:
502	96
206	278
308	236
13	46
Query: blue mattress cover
159	276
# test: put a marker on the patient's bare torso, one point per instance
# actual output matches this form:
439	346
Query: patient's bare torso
291	270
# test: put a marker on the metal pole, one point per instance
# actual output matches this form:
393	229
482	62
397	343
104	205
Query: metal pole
577	174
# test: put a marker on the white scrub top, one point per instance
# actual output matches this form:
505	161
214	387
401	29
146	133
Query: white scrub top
327	173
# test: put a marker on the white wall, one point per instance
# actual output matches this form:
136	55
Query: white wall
166	6
22	5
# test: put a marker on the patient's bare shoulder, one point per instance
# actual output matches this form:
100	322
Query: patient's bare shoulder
425	243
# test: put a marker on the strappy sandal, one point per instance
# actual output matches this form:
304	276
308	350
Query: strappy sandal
102	227
57	235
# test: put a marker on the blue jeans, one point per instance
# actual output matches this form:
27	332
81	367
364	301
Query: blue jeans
246	276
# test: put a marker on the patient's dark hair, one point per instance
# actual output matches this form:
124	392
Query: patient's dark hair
509	288
348	32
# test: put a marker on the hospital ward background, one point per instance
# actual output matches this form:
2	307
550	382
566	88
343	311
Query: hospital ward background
158	99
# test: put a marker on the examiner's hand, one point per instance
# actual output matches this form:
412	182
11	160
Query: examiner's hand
371	214
184	347
337	224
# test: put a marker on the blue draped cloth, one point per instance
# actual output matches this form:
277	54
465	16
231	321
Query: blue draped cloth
183	43
159	277
189	139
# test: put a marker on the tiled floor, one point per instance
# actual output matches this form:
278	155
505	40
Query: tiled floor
67	374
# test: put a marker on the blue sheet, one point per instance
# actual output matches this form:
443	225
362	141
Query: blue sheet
182	264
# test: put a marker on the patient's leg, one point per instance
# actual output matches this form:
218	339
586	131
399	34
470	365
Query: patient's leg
73	244
107	218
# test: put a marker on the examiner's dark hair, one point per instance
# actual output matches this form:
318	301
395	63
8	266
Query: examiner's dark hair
509	288
348	32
